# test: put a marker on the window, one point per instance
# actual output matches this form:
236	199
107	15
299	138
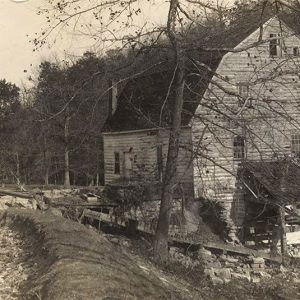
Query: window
295	146
238	147
243	89
244	92
274	46
296	51
117	163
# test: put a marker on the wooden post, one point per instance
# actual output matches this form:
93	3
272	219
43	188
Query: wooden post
283	241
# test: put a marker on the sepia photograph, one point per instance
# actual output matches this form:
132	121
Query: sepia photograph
150	149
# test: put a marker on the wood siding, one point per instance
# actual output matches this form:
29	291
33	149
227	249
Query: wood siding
143	146
274	86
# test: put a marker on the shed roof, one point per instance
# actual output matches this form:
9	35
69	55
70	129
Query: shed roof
279	179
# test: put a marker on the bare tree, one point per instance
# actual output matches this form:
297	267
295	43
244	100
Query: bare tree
182	18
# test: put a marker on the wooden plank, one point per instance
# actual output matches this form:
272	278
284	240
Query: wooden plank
16	194
100	205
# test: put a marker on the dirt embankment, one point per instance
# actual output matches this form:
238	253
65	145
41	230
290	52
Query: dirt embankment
74	262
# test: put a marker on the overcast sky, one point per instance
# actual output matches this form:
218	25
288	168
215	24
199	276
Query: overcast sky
17	20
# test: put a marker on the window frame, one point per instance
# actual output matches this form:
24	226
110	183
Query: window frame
275	44
117	163
295	144
239	147
245	93
296	51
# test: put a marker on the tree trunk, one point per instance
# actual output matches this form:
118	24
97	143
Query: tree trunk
169	180
283	241
18	168
66	156
46	162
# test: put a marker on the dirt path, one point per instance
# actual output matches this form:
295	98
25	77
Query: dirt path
13	267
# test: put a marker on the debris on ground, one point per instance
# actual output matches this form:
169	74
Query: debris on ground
14	265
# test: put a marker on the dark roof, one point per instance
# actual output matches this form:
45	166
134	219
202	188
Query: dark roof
147	101
275	182
142	102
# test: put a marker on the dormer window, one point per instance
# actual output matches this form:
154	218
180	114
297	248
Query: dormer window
275	44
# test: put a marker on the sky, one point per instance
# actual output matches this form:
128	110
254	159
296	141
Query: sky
18	20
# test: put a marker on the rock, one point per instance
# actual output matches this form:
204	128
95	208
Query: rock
224	273
217	280
260	273
257	266
223	257
213	264
173	251
126	243
240	276
33	203
255	279
203	252
229	264
209	273
232	259
258	260
246	267
114	240
54	211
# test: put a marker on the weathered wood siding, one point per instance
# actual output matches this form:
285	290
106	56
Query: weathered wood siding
142	145
274	85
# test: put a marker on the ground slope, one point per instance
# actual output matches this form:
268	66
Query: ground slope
77	263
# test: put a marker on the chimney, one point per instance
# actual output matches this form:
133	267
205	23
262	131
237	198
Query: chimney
113	94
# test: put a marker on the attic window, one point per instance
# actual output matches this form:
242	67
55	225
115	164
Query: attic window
243	89
238	147
295	145
274	45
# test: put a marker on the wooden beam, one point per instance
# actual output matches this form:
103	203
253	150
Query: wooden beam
15	194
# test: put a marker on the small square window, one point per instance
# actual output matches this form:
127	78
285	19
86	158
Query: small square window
244	90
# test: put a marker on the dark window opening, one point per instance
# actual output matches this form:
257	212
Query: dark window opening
273	45
295	146
238	147
296	51
117	163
